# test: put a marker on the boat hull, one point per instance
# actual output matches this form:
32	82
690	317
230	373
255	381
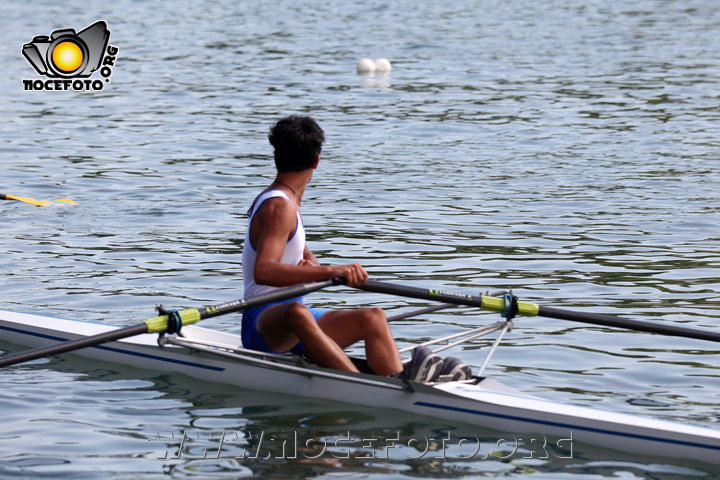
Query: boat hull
486	403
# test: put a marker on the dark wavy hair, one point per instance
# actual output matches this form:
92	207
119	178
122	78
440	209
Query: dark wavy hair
297	141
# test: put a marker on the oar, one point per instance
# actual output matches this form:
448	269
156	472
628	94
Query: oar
422	311
160	323
39	203
532	309
430	309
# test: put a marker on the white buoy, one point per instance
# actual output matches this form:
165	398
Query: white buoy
365	66
382	65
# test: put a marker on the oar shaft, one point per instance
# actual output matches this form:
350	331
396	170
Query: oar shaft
278	295
421	293
422	311
160	323
194	315
485	302
532	309
39	203
612	321
73	345
31	201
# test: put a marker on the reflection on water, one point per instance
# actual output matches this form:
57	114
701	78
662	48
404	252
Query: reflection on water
171	424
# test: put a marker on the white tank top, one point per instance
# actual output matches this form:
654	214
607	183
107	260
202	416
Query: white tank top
293	253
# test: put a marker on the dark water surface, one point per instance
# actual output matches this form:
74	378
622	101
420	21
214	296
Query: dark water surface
566	150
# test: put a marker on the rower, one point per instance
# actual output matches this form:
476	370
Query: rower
275	254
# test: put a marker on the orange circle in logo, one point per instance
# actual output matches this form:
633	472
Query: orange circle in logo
67	56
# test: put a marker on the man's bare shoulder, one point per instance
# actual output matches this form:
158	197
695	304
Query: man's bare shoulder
276	210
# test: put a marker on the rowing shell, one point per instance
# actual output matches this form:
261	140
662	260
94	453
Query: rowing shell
217	357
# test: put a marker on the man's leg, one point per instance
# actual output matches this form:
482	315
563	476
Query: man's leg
283	326
346	327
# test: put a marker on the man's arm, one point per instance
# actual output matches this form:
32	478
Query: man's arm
273	224
309	257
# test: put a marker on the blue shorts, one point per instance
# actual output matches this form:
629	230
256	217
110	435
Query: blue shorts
252	339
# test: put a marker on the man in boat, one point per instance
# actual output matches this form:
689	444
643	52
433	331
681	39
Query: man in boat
275	255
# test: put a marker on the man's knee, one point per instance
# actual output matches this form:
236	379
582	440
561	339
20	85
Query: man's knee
298	316
374	317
